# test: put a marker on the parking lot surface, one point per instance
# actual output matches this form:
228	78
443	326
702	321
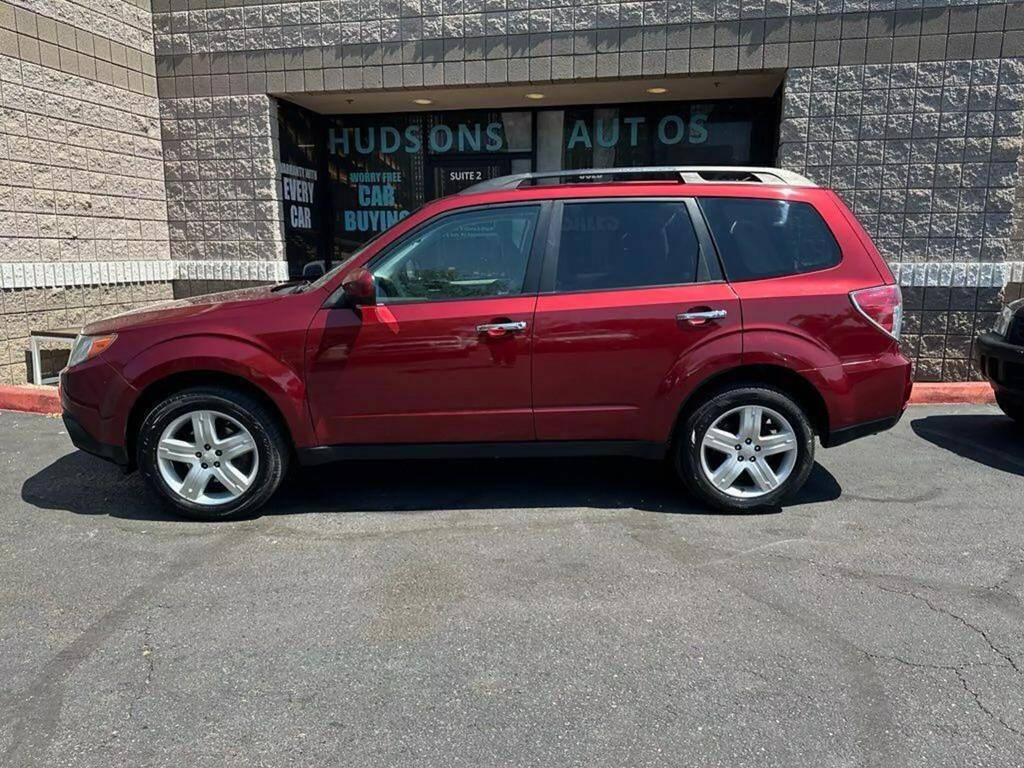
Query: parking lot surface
521	613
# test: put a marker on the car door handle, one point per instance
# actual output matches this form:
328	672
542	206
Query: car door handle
501	329
700	316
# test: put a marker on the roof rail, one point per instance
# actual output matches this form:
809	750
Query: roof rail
685	174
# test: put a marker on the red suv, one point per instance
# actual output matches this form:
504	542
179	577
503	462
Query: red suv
719	317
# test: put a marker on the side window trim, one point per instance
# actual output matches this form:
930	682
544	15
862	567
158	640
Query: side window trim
533	263
709	260
706	255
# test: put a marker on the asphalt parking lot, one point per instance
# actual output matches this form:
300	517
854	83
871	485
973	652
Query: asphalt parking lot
554	613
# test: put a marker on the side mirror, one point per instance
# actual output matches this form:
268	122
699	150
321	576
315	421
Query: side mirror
313	271
359	287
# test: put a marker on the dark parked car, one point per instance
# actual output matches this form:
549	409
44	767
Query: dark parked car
720	318
999	355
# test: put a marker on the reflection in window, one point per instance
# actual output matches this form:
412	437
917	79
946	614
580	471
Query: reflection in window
465	255
621	245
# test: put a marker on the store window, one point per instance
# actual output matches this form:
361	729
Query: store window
663	133
346	178
300	186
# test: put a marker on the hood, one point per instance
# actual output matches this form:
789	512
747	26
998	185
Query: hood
183	309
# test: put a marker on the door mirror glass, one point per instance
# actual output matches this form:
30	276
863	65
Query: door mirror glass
359	288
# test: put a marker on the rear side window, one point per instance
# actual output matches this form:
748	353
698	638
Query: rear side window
769	238
625	244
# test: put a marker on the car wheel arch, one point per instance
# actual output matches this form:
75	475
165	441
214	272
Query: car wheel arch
785	379
164	386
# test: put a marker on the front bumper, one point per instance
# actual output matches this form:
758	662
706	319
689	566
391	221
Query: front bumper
1000	363
86	442
95	402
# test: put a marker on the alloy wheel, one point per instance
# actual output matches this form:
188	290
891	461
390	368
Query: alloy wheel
207	457
748	451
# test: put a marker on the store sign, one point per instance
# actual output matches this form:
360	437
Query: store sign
439	139
298	191
616	131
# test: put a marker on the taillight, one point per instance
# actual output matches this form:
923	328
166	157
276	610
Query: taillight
883	306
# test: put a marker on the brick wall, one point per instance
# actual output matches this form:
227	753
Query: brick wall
222	192
81	168
926	154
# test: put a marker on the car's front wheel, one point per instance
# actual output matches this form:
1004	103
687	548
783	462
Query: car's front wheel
212	453
745	447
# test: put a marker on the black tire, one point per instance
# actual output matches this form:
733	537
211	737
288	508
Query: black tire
271	446
1012	408
687	449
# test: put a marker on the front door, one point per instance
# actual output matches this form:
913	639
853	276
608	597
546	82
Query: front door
444	355
628	309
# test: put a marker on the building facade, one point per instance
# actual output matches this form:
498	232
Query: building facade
151	151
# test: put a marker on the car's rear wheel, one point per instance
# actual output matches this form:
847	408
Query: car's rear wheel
212	453
1012	408
745	447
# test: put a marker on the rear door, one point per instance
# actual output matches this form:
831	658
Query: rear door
632	305
793	272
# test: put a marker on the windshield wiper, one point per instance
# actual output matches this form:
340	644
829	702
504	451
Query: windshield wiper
292	286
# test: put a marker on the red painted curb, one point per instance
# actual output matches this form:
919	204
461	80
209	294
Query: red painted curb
30	398
929	393
47	400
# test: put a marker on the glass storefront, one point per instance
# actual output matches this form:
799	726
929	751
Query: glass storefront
344	178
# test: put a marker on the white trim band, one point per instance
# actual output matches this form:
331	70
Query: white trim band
93	273
958	274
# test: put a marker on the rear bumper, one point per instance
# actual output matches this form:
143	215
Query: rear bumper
864	397
1001	364
854	431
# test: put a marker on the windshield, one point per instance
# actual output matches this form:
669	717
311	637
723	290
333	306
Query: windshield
327	276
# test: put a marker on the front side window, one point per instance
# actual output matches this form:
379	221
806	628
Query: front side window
473	254
760	238
625	244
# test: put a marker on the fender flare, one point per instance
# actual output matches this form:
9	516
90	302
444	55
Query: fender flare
229	356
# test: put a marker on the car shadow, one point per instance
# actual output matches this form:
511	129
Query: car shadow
84	485
990	439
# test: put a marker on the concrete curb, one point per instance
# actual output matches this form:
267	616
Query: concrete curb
32	399
928	393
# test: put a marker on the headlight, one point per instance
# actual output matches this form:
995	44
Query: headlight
87	347
1005	318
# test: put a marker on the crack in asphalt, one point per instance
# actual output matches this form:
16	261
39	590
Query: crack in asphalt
147	654
981	705
958	670
977	630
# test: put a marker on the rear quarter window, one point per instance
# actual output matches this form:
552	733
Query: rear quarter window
759	238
